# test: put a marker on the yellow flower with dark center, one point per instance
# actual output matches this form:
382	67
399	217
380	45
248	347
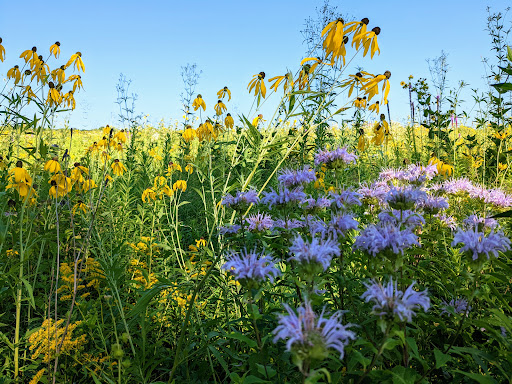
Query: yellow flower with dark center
360	102
257	120
371	88
403	84
220	107
228	121
287	81
374	107
2	51
501	135
199	102
80	206
118	168
223	92
76	59
362	142
258	84
55	50
357	28
52	166
369	40
180	184
69	99
188	134
30	55
14	73
19	175
88	185
334	41
173	167
378	132
78	172
189	169
148	195
54	96
105	156
356	81
159	182
61	185
120	136
77	82
30	94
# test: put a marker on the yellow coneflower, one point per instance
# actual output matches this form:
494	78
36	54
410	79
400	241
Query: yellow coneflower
360	102
88	185
362	142
15	74
199	102
80	206
189	169
19	175
502	166
287	81
335	39
220	107
374	107
502	136
120	136
52	166
223	92
369	40
148	195
356	81
403	84
118	168
257	120
77	82
200	243
76	59
54	96
69	99
29	93
2	51
30	55
371	88
188	134
78	172
228	121
258	84
378	132
180	184
358	29
55	50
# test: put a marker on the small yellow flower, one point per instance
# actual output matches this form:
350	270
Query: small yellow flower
118	168
2	51
258	84
257	120
80	206
76	59
188	134
37	377
199	102
14	73
502	166
52	166
148	195
180	184
223	92
228	121
120	136
200	243
55	50
287	81
88	184
220	107
189	169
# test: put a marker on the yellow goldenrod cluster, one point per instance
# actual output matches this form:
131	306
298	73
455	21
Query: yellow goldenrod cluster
137	269
145	246
43	341
37	376
92	277
97	360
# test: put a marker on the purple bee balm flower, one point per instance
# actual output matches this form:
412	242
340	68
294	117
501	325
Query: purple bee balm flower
259	222
418	174
457	186
288	224
346	198
335	159
317	226
241	200
229	229
433	204
313	335
317	251
320	203
292	178
408	218
390	301
283	196
340	225
458	306
404	198
391	174
480	223
477	244
496	197
375	193
448	221
375	239
251	266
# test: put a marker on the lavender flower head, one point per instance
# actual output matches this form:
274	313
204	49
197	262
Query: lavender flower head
478	245
408	218
457	306
480	223
229	229
375	193
292	178
390	301
311	336
314	252
241	200
404	198
448	221
259	222
433	204
251	268
335	159
385	238
346	198
340	225
283	196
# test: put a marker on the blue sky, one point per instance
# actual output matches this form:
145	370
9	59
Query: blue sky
232	40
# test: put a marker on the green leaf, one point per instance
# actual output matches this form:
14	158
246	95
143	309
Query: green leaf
238	336
402	375
477	377
502	214
441	358
509	53
30	292
219	358
503	87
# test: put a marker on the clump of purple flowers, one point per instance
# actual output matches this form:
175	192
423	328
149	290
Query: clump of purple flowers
311	336
292	178
475	243
458	306
433	204
390	301
345	198
283	196
251	268
404	198
335	159
397	218
314	252
385	238
241	200
259	222
480	223
375	193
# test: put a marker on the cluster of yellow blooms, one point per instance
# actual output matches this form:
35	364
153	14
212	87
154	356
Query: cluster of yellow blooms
21	181
93	275
161	184
443	168
145	246
43	341
36	69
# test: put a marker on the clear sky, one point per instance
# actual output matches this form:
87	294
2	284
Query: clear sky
230	41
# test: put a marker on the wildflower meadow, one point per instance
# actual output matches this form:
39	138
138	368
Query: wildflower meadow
323	243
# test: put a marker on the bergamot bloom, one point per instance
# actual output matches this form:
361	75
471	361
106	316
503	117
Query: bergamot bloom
220	107
76	59
228	121
180	184
258	84
199	102
118	168
15	74
2	51
223	92
55	50
52	166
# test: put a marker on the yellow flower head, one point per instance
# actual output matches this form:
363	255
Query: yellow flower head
220	107
188	134
118	168
258	84
2	51
223	92
229	122
55	50
76	59
180	184
199	102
